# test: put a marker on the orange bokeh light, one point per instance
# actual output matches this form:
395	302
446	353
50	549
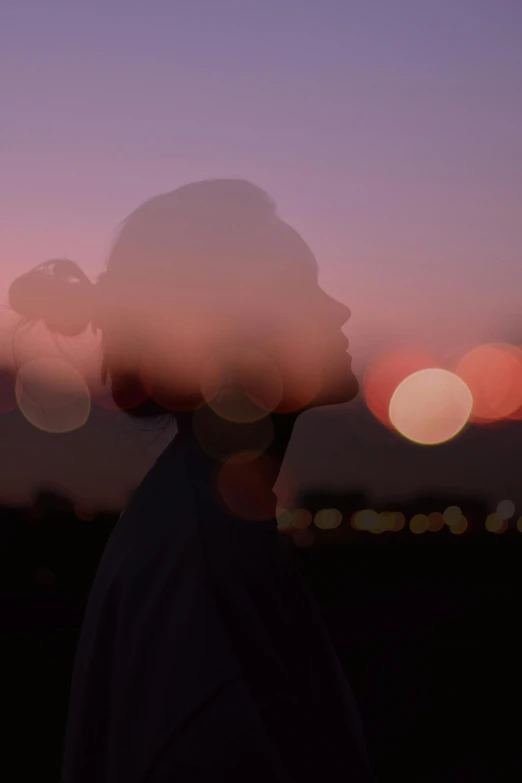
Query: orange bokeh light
493	373
385	373
245	483
435	522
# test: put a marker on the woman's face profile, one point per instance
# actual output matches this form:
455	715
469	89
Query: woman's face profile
308	344
282	347
224	298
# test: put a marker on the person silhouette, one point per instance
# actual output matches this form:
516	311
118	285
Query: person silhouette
202	655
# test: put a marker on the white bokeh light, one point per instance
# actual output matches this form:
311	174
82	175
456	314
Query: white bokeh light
430	406
505	509
52	395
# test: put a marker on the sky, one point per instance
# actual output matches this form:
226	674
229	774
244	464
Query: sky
389	134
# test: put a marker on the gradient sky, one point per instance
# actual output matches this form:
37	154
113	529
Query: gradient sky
388	133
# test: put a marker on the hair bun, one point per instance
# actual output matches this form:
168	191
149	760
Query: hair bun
56	292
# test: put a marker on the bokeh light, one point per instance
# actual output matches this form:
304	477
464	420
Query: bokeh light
435	522
293	519
419	523
245	483
301	518
387	520
493	373
367	519
52	395
328	518
284	517
241	388
399	521
303	537
506	509
385	373
494	524
519	524
431	406
460	527
452	515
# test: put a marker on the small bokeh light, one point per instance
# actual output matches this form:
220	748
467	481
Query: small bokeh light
419	523
328	518
506	509
460	527
493	373
387	520
399	521
52	395
284	518
452	515
494	524
301	518
435	522
367	519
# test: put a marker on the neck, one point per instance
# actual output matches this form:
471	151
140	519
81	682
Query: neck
235	437
282	426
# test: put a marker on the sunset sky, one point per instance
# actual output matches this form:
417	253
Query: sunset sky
388	134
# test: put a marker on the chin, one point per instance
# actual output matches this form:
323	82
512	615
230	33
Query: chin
342	388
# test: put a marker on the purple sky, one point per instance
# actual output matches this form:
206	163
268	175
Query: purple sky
388	133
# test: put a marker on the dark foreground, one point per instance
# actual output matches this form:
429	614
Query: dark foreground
426	627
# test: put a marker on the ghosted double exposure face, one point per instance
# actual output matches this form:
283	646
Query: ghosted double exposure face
208	293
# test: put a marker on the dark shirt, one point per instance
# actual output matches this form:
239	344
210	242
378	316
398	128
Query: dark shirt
202	655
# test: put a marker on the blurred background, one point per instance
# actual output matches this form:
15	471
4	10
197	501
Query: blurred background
389	137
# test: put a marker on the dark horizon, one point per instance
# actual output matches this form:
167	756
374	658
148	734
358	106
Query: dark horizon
342	447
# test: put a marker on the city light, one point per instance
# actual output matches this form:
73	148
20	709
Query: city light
431	406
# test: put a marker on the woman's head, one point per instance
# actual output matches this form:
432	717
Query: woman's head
205	286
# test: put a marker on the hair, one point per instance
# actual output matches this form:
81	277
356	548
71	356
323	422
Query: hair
204	236
56	292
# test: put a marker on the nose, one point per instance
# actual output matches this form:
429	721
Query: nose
340	312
